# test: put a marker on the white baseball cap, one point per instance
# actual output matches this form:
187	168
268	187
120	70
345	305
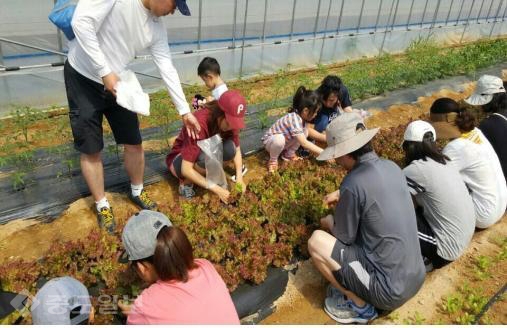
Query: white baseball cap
417	129
486	87
58	299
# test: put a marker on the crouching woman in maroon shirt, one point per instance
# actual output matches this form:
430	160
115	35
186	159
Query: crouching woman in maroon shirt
186	161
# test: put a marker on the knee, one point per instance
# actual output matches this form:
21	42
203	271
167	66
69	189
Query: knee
95	157
279	140
314	243
229	150
134	148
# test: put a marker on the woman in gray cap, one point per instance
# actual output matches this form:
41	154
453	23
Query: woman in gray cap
182	290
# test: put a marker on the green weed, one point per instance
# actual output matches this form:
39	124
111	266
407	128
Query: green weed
18	181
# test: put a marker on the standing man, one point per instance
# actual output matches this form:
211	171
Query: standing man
109	33
371	254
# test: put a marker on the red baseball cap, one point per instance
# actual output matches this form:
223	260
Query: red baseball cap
234	106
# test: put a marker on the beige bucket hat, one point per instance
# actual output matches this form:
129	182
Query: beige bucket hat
343	137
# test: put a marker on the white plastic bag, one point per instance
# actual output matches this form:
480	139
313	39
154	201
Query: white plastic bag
130	95
213	149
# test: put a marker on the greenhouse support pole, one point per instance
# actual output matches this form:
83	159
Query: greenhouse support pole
360	17
499	9
504	13
449	13
317	19
387	28
424	13
378	14
292	19
410	14
395	14
325	29
489	10
496	16
199	27
340	18
1	55
435	14
468	21
480	10
264	21
243	41
234	24
459	12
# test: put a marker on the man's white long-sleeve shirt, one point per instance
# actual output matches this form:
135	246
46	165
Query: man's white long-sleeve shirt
109	34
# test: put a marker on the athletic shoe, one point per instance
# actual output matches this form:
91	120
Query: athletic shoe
105	219
244	169
186	190
143	201
348	312
428	265
333	292
303	153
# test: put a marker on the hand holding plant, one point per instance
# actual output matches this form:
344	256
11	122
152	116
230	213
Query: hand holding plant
125	307
241	184
222	193
331	199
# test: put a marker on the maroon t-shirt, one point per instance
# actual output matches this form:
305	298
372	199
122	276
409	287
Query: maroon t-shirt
188	147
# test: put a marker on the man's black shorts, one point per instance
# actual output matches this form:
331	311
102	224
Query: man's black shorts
88	103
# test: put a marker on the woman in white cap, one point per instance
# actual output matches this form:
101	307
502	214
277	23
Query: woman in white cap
490	94
474	157
445	211
182	290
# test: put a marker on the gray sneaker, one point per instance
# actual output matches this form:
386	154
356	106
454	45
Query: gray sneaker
348	312
187	190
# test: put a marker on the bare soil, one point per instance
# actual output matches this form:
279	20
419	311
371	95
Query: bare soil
302	302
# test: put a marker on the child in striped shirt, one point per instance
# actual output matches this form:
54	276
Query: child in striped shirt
290	131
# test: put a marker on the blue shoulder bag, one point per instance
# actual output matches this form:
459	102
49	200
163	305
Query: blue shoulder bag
61	16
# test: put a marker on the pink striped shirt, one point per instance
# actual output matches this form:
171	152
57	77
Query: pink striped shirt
290	125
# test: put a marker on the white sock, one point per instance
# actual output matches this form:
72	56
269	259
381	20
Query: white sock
102	203
136	189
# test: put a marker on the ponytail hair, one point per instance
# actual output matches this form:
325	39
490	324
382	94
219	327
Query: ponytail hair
466	120
305	98
415	150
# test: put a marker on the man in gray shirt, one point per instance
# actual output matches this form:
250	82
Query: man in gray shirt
372	258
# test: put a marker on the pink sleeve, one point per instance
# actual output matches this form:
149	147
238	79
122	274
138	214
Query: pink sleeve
136	316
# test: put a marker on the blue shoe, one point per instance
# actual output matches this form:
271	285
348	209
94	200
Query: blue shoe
348	312
332	292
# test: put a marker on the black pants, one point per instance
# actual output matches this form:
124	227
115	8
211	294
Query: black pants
427	241
88	104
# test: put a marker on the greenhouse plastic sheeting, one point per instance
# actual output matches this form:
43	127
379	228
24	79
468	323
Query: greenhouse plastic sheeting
247	37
